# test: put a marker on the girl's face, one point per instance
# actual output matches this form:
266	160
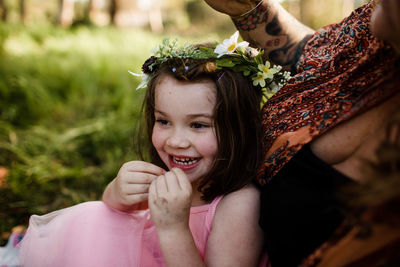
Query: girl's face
184	133
385	22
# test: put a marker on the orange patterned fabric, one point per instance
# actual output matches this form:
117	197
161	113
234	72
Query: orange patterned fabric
342	72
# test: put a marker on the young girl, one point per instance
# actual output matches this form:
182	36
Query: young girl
203	124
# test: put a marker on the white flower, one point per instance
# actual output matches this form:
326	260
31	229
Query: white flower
275	87
145	79
286	75
259	79
277	67
252	52
230	45
267	70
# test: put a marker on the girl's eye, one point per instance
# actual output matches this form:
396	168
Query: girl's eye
199	125
162	121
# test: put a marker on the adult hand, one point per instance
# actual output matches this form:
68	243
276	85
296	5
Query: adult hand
170	198
232	8
131	186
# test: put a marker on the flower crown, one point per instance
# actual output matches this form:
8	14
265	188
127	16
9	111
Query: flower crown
230	54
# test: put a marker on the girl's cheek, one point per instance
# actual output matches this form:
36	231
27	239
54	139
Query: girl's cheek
209	146
156	137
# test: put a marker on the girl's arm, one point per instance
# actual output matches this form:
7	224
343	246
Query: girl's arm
268	26
131	186
236	238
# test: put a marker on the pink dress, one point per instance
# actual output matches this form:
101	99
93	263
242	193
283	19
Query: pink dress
91	234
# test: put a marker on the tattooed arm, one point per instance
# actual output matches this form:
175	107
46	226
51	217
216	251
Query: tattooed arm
268	26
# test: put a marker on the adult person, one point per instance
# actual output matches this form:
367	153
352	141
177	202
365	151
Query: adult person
321	127
372	236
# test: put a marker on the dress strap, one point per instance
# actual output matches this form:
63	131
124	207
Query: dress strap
211	212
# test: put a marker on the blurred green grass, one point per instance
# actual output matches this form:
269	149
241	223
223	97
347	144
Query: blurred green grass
68	111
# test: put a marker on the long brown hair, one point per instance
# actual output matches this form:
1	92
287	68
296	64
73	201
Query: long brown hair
237	120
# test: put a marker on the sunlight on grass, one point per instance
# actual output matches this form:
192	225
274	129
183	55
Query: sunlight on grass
68	112
68	109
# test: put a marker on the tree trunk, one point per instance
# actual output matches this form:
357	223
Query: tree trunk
4	10
155	19
95	13
88	8
306	11
66	12
113	11
22	11
317	13
59	12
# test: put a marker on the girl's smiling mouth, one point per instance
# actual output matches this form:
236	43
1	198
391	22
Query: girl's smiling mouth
183	163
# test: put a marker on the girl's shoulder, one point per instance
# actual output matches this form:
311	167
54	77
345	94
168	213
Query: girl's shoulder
241	204
236	217
248	195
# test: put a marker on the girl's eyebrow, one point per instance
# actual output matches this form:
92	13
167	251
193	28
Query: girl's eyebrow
159	111
206	115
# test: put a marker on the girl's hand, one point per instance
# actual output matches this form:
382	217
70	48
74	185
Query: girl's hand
170	198
131	186
232	8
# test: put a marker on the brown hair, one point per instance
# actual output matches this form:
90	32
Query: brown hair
237	120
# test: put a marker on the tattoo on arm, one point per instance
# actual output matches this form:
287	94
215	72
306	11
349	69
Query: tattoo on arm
289	54
283	33
290	49
250	21
281	55
274	26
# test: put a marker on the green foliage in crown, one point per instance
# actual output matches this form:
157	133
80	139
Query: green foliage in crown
230	54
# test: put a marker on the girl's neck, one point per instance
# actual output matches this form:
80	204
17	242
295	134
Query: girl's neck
197	195
196	198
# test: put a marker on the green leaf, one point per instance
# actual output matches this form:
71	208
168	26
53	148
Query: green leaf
224	62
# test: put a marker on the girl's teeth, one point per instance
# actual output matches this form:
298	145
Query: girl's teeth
184	161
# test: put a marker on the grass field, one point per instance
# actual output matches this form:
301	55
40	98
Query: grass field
68	111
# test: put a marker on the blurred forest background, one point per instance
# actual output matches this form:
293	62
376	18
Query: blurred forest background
68	107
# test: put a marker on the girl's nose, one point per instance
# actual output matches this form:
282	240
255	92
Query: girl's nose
178	139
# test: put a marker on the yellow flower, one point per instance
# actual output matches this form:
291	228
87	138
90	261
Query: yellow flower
230	45
267	70
259	79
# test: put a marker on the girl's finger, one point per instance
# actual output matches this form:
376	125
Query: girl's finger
142	166
132	189
152	191
172	182
161	185
182	179
139	178
137	198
